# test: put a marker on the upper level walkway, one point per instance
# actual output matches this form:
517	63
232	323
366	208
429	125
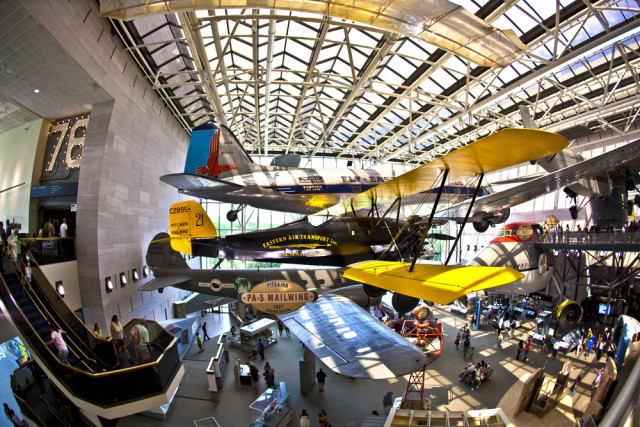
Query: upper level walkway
594	241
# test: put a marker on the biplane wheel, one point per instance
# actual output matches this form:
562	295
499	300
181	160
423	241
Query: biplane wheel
481	226
232	216
373	291
573	210
403	303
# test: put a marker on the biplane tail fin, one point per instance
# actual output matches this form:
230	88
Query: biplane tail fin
215	152
188	220
160	254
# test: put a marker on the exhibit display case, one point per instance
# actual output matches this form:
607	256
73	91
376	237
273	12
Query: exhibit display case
273	408
249	335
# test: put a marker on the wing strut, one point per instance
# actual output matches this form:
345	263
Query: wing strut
384	215
433	212
466	217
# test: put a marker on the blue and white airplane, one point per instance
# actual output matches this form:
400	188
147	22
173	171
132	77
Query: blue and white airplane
218	168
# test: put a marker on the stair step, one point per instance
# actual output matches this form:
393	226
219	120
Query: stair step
374	421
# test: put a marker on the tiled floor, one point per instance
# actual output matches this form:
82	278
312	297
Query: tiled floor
349	401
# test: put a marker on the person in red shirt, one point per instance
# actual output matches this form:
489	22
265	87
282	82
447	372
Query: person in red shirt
527	347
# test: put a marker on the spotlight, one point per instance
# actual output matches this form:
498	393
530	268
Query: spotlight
108	284
134	273
60	288
123	279
145	271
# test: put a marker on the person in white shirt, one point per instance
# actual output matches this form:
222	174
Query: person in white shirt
63	228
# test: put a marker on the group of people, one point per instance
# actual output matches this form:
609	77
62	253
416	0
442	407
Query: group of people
139	338
598	343
474	374
463	338
48	230
305	420
523	346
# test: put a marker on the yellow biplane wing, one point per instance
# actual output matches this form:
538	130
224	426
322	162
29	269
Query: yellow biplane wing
441	284
497	151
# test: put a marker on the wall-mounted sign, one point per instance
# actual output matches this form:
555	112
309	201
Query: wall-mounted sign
64	148
53	190
277	296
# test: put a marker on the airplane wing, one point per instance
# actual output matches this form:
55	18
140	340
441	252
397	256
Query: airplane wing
163	282
441	284
504	148
198	185
599	165
350	341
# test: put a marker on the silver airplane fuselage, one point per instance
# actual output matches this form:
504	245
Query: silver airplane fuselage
307	191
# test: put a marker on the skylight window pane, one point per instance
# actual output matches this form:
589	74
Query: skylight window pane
543	9
389	76
443	78
430	87
504	24
456	64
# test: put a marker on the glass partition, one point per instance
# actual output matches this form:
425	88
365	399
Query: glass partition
51	250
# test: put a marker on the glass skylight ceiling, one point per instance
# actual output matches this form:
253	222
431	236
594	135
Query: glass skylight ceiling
317	86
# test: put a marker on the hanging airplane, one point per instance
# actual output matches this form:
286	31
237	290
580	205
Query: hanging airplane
218	168
335	328
337	242
343	335
437	283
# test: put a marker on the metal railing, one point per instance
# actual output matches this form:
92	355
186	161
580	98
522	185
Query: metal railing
591	238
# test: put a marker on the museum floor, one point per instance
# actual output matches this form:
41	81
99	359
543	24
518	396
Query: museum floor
348	401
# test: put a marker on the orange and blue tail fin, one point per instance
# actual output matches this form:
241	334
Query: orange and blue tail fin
215	152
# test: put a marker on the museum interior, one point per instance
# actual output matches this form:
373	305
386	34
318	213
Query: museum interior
272	213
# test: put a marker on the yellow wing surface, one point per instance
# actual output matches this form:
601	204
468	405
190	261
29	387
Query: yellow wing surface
497	151
441	284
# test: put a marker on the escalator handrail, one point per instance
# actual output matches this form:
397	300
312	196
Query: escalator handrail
68	328
54	365
35	333
32	414
109	339
54	412
49	318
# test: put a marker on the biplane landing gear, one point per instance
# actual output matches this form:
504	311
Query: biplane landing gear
573	211
232	215
403	303
373	291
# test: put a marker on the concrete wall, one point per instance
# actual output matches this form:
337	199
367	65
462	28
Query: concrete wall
18	147
68	273
130	143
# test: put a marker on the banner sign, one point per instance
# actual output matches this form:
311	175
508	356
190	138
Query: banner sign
278	297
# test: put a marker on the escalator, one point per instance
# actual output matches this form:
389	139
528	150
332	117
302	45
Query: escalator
92	380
